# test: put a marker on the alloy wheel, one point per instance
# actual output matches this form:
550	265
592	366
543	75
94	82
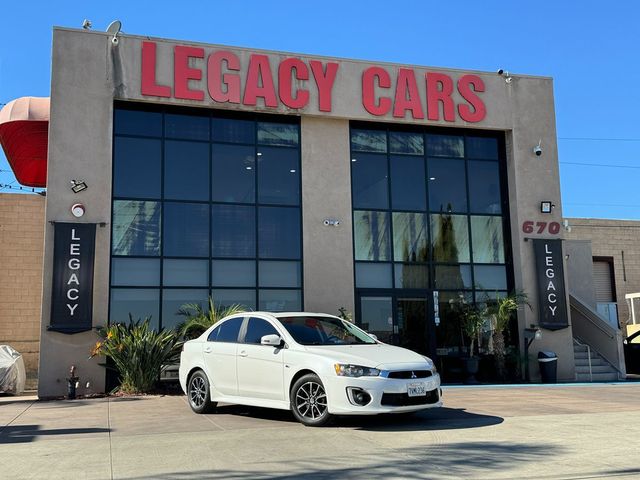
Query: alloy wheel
311	400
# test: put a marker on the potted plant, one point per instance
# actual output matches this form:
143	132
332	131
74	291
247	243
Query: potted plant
473	319
501	312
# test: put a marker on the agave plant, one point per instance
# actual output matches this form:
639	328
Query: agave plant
198	319
138	352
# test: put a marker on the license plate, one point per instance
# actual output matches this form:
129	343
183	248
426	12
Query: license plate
416	390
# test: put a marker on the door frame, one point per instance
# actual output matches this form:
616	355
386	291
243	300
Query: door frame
395	295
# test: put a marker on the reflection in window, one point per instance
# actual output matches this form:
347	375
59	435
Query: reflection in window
184	273
408	183
376	315
135	122
371	232
141	303
186	170
445	146
447	185
370	181
280	300
278	176
174	299
284	134
224	298
373	275
453	277
280	274
232	131
488	244
482	147
258	328
136	167
279	232
484	187
233	273
136	228
233	230
186	229
143	272
188	127
403	142
233	172
490	277
411	275
449	238
409	237
449	336
369	141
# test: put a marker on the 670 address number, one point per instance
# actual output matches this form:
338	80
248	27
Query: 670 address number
539	227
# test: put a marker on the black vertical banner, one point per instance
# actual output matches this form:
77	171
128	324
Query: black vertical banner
72	291
551	289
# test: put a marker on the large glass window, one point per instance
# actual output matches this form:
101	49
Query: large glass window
205	204
427	211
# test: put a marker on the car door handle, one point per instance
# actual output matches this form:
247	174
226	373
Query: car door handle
207	350
243	353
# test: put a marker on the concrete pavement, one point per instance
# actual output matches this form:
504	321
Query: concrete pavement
559	432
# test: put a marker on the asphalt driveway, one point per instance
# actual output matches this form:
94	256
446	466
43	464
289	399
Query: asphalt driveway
559	432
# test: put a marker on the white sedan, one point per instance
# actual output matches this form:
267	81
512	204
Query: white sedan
315	365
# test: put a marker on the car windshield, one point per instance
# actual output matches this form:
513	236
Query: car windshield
324	331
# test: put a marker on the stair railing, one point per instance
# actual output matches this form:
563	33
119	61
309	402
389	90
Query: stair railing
588	357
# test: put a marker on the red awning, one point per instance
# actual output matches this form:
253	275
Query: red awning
24	132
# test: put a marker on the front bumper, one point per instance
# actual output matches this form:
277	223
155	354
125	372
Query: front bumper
388	395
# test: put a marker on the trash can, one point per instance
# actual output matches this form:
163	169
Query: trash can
548	362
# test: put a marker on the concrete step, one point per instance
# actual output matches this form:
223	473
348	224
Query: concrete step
594	361
597	377
595	369
585	355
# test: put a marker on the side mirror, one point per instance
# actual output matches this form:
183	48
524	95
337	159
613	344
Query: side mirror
272	340
375	337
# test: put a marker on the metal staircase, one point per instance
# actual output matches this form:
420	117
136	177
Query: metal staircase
590	366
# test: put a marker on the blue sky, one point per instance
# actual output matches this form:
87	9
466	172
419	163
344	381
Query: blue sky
590	49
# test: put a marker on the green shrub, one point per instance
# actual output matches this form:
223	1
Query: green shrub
138	352
198	320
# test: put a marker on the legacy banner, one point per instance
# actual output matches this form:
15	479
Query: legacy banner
72	292
551	289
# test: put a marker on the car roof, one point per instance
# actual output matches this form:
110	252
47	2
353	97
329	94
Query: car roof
285	314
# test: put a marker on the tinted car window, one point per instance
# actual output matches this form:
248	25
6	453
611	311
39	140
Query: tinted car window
226	332
257	329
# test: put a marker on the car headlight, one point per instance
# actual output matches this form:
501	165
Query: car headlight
346	370
430	365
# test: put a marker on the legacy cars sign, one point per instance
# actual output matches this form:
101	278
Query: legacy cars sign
551	291
256	79
72	292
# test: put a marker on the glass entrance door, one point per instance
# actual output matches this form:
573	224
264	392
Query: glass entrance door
404	320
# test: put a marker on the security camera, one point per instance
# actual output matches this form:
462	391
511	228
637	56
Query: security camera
500	72
86	24
538	149
114	40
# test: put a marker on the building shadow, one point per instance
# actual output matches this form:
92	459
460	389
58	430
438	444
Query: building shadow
455	460
28	433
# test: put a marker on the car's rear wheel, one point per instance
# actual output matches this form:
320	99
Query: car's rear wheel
309	401
199	393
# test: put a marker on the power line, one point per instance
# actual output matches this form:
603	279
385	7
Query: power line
600	165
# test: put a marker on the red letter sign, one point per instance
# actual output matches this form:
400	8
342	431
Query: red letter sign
183	73
215	81
464	87
286	68
149	85
407	84
259	82
324	81
436	95
368	90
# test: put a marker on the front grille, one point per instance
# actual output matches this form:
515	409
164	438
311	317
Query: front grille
404	400
409	374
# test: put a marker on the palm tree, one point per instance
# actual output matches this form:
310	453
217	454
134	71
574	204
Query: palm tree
198	320
501	311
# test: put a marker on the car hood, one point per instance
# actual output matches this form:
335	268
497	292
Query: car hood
380	355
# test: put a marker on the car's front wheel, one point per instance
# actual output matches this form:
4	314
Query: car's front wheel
309	401
199	393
